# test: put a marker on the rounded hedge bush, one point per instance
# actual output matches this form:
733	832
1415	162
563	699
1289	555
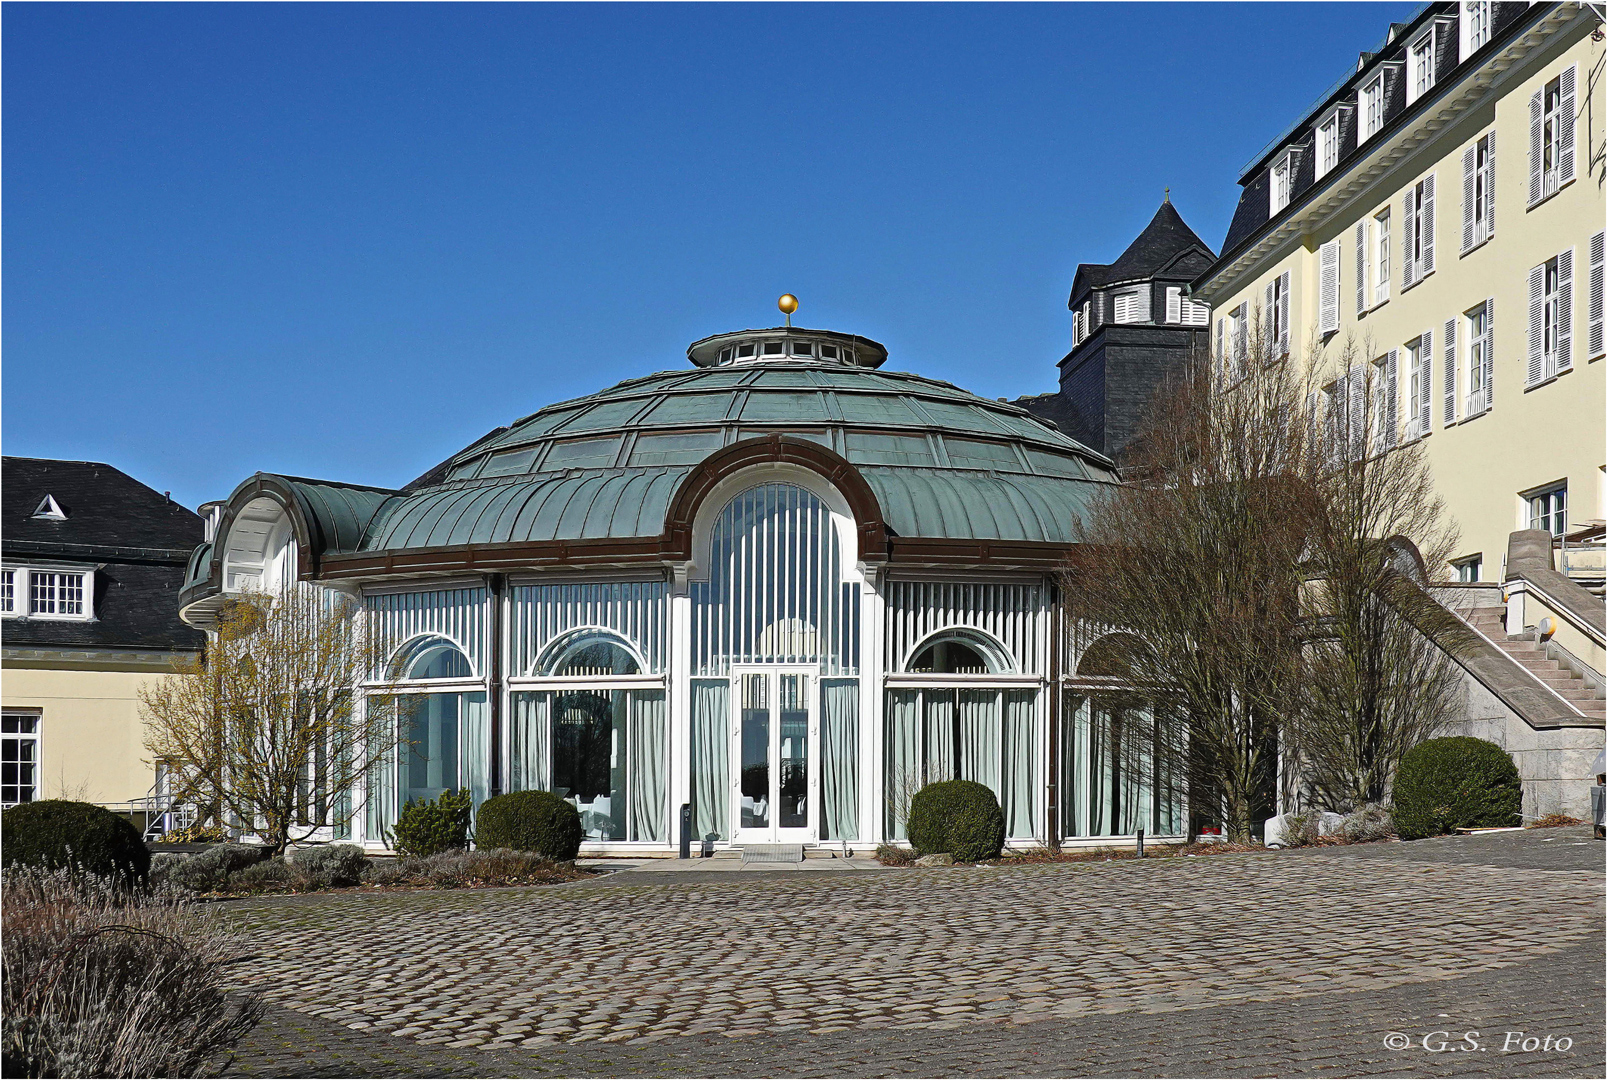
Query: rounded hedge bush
1447	784
959	818
535	821
425	828
57	833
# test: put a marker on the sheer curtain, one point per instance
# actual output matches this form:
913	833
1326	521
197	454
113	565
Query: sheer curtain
649	762
902	775
379	800
1020	763
477	749
528	737
938	761
979	739
839	780
711	746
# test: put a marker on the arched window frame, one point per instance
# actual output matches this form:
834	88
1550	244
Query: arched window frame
538	678
1002	666
399	670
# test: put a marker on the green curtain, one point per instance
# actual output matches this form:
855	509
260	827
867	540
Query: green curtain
839	780
477	749
902	775
979	739
648	766
1020	763
711	747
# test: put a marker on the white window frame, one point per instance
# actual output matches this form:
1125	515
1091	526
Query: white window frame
1327	139
22	590
1419	366
8	590
1479	211
1469	568
1543	508
1475	23
1552	109
36	737
1370	107
1420	66
1380	257
1476	331
1281	180
1127	306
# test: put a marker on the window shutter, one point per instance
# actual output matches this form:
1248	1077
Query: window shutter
1537	317
1267	315
1489	352
1361	266
1425	383
1356	414
1565	309
1469	167
1408	223
1450	371
1537	111
1098	302
1594	345
1391	391
1221	357
1565	130
1427	225
1174	304
1489	184
1283	314
1241	336
1328	307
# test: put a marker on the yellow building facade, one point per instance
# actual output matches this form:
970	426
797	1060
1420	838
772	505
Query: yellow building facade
1440	215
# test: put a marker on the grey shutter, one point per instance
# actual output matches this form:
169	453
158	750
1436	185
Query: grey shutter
1391	391
1143	305
1241	336
1594	345
1489	184
1426	203
1283	314
1222	365
1328	280
1356	411
1565	310
1565	121
1470	158
1537	322
1361	266
1408	268
1536	120
1267	313
1174	304
1489	352
1450	372
1425	383
1098	301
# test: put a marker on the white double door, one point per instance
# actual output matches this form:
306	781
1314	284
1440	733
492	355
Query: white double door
775	786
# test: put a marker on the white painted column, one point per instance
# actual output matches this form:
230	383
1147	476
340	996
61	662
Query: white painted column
872	637
678	700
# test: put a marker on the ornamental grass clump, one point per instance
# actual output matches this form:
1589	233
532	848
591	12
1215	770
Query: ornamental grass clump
59	834
535	821
959	818
1455	783
102	981
333	866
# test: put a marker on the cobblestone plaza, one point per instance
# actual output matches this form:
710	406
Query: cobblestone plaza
1265	963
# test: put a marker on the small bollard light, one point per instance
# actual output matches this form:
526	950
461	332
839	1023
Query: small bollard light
686	830
1140	843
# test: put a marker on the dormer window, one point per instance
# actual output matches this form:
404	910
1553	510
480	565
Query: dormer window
45	593
1475	26
1371	100
49	510
1328	143
1283	174
1420	67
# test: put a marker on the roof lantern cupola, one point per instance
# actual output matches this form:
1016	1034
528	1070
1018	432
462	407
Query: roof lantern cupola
786	345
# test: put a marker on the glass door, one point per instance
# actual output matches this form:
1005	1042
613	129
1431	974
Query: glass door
773	738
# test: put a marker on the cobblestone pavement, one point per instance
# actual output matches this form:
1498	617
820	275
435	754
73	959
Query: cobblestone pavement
1258	964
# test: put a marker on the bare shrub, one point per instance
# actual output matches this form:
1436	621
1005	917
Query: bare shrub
99	982
1302	829
1368	824
332	865
471	869
893	855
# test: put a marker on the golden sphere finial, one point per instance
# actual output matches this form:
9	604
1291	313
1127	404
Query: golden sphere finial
788	303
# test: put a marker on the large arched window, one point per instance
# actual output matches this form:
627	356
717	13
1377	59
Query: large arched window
601	742
959	652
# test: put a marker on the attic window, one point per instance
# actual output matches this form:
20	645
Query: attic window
1283	173
50	510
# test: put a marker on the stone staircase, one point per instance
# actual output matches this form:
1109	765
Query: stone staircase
1582	696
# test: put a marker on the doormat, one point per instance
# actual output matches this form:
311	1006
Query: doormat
772	853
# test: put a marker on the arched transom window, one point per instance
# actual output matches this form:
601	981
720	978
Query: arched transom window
777	591
592	653
431	657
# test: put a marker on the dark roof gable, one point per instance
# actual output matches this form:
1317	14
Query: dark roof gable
105	507
1166	244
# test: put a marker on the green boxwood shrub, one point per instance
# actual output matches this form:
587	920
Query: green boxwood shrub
535	821
57	834
1447	784
428	828
958	817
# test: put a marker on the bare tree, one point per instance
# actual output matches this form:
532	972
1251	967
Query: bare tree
1378	674
1198	556
264	729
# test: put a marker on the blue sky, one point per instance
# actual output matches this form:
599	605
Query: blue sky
344	241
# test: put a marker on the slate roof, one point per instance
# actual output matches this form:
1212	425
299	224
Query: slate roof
137	539
1166	246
